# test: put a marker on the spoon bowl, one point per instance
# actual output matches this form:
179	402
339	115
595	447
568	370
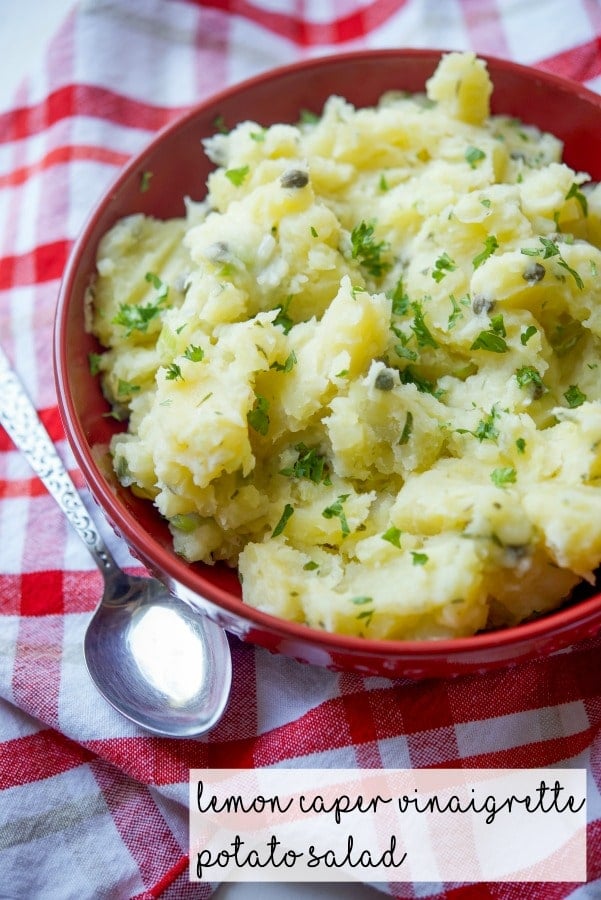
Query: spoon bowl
158	661
155	659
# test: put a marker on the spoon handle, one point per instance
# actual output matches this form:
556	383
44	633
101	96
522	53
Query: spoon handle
21	421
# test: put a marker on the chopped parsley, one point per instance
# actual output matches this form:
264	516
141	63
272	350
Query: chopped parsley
310	464
402	349
220	126
194	353
419	559
443	265
420	329
283	319
574	396
136	317
161	286
550	249
258	136
503	475
400	300
335	510
393	536
497	324
94	362
365	614
529	332
286	366
174	372
473	156
456	311
521	445
409	376
125	388
565	336
118	413
227	270
407	429
237	176
486	430
122	471
577	194
314	232
308	117
368	251
492	339
145	179
288	511
528	375
490	245
547	249
575	275
383	184
464	372
258	416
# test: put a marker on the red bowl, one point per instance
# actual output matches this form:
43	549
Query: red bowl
180	169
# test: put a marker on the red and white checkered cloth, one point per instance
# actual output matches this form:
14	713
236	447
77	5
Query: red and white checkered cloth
90	806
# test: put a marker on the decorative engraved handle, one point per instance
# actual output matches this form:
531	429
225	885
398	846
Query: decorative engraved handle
20	420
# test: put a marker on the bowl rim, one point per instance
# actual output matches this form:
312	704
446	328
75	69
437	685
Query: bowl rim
180	573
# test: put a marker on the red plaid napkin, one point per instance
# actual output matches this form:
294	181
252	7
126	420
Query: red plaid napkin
91	807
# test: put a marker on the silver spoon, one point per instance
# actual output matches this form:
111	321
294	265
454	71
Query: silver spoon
159	662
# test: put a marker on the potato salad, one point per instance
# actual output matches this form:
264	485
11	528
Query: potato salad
364	370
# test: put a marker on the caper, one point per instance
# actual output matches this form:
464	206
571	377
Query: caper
535	272
384	380
295	178
482	304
